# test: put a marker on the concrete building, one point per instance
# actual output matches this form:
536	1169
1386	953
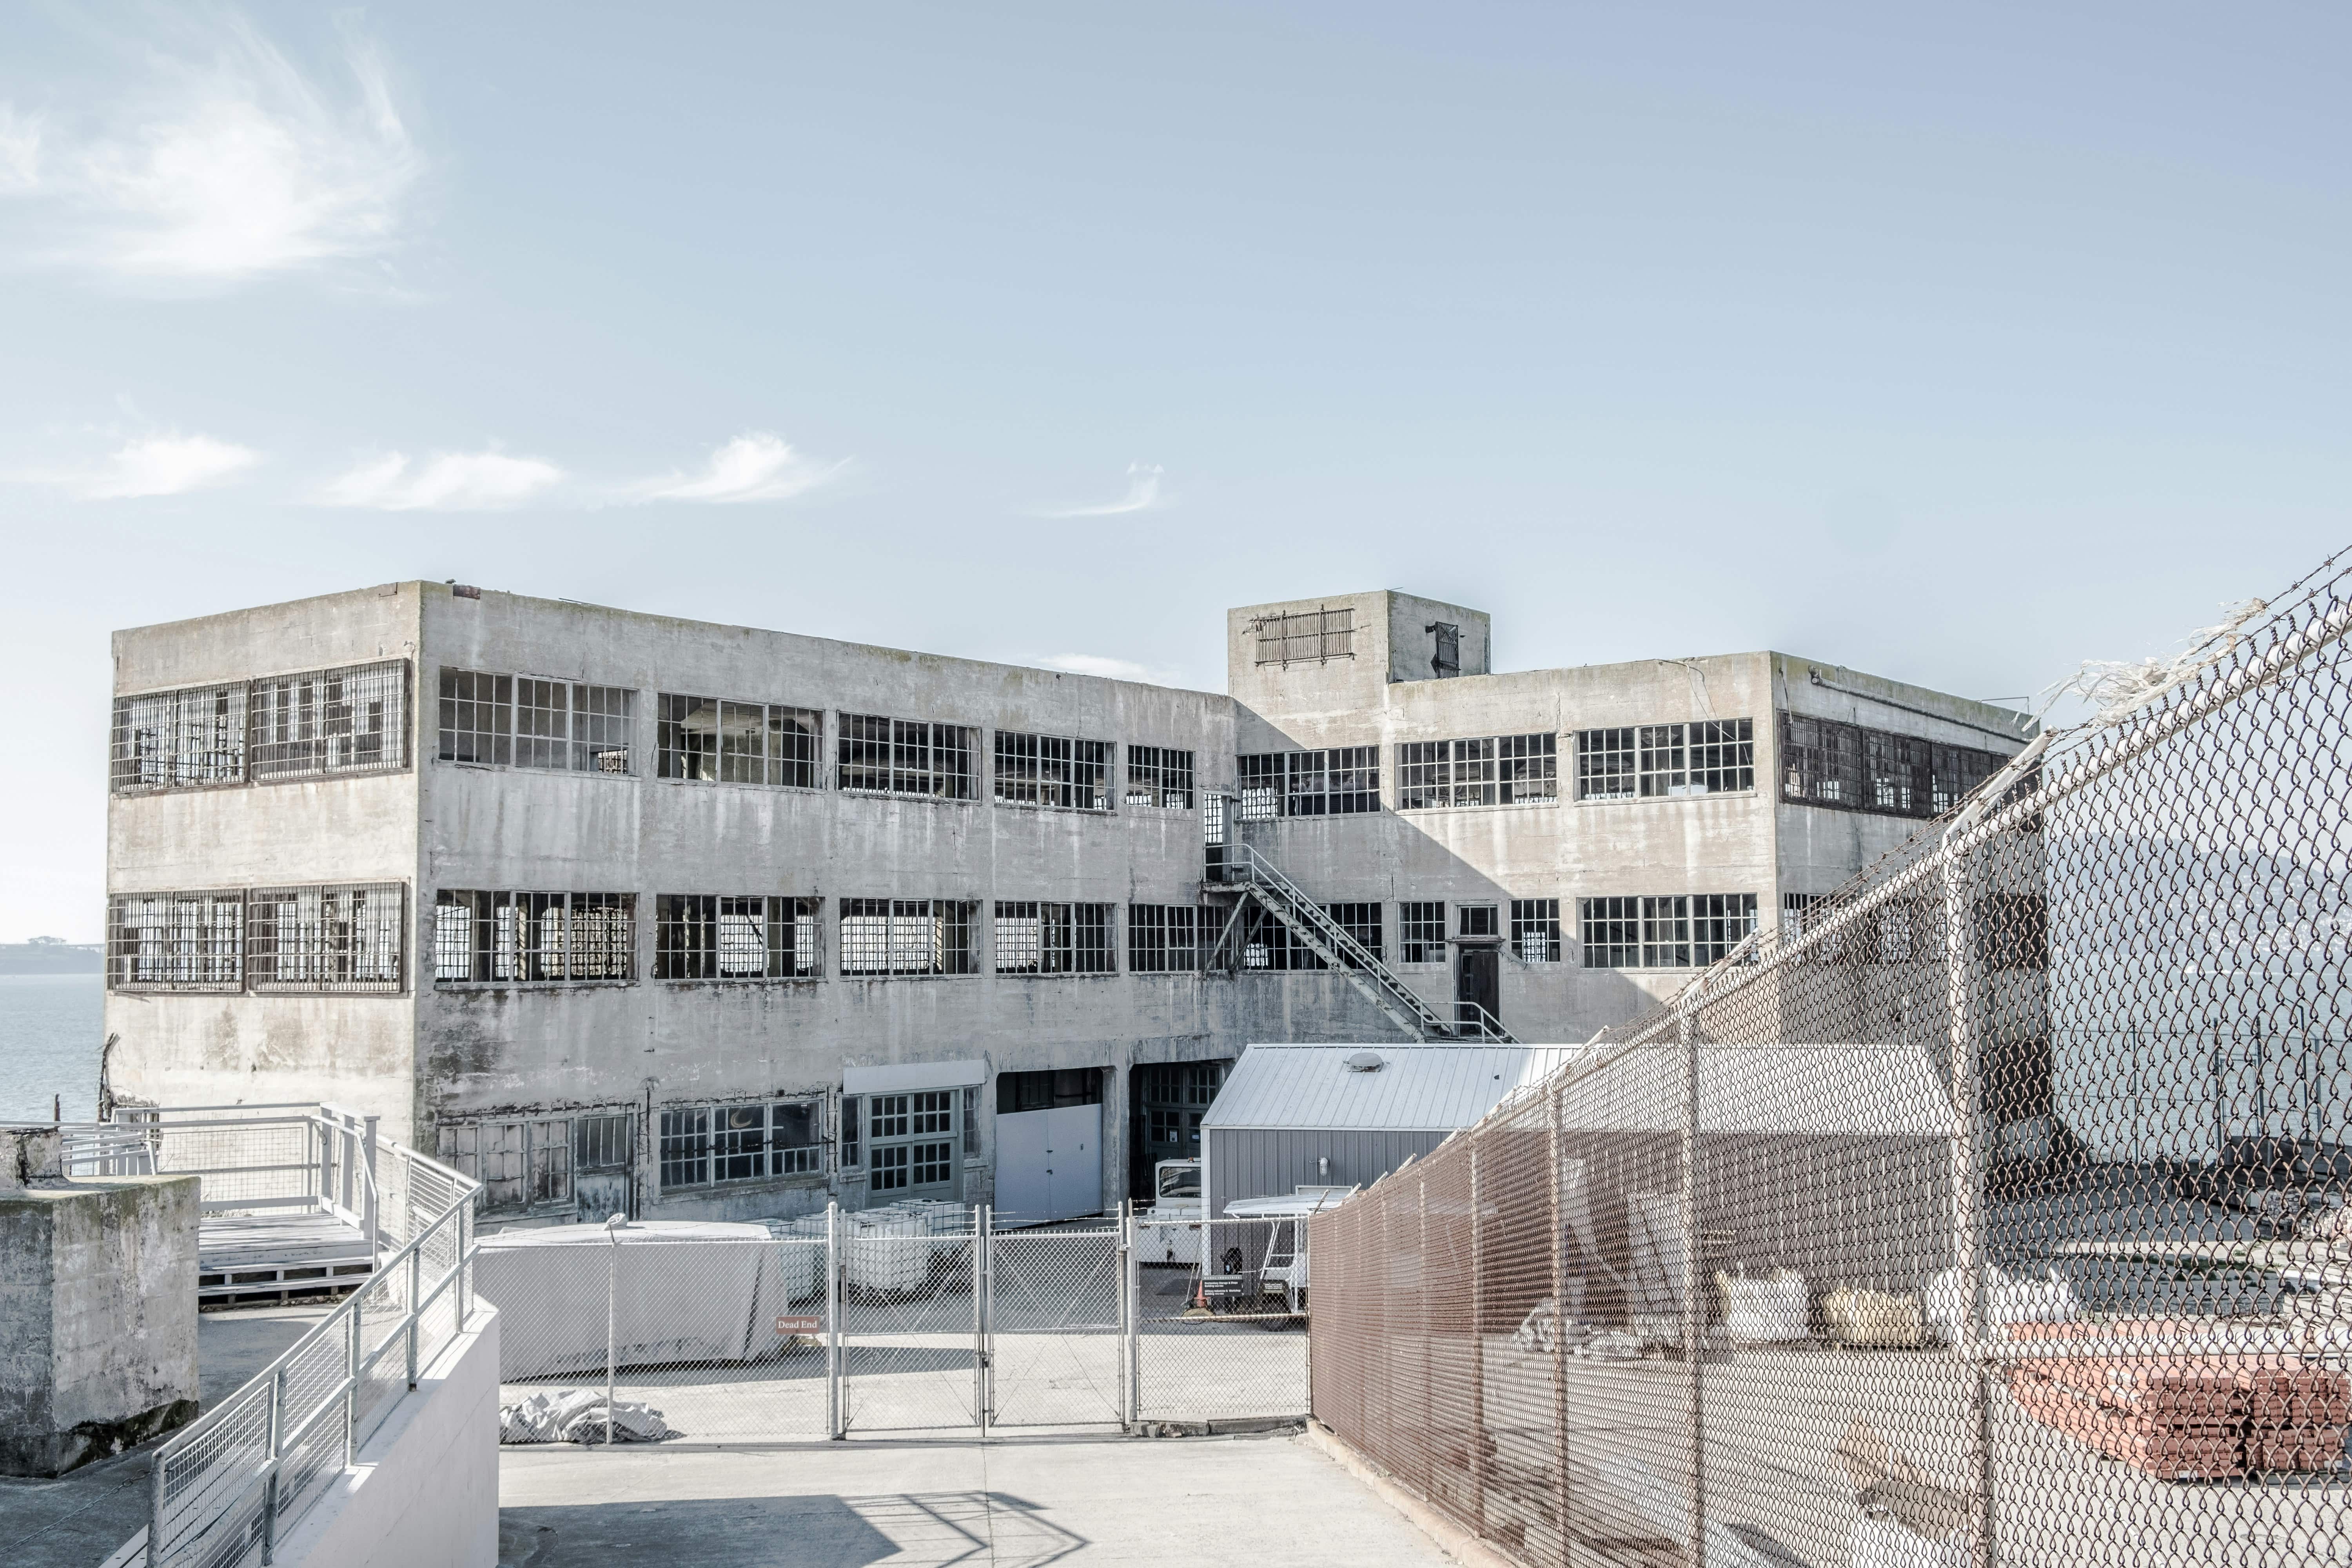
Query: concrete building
623	911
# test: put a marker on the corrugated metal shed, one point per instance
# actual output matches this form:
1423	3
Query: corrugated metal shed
1422	1088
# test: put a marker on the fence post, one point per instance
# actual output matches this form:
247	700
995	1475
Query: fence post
1126	1305
1559	1330
1694	1298
156	1472
612	1323
833	1412
277	1452
415	1312
358	1305
368	1202
1961	959
1478	1344
983	1278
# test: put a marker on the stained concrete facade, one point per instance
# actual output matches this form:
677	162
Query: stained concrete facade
435	1058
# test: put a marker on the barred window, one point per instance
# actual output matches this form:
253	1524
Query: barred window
706	739
1361	922
1052	939
1499	770
907	936
906	756
178	740
1053	769
1535	929
520	938
1305	636
328	720
702	1145
704	936
1611	932
1421	932
176	941
1162	938
527	721
325	937
1159	776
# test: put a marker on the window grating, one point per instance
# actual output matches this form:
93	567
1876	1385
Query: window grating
1053	769
1421	932
176	941
326	937
1160	776
1306	635
328	721
1162	938
179	740
524	938
1052	939
1535	929
705	936
907	936
706	740
906	756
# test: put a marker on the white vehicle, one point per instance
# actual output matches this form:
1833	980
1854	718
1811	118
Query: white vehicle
1170	1231
1283	1265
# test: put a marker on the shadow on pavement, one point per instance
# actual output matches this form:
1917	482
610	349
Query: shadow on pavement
925	1529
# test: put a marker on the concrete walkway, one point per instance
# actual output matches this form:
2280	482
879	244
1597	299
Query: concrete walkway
1006	1503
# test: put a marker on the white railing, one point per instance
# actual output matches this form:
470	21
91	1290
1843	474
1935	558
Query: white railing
231	1482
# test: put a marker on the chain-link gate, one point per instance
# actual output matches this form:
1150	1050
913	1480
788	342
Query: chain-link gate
919	1317
1991	1210
1057	1322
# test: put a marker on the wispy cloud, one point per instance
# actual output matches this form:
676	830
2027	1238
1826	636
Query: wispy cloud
1143	494
150	466
1107	667
232	165
755	465
449	481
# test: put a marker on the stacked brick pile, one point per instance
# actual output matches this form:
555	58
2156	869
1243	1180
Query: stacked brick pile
2186	1415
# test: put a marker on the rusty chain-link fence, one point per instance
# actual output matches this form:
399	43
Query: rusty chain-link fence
1989	1210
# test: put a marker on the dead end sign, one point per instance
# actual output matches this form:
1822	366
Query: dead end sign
798	1325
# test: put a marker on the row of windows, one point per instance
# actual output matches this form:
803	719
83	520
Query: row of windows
1825	762
285	727
1713	756
1500	769
1535	933
482	937
319	938
1678	931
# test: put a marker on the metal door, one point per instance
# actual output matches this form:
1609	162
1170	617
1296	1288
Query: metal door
1478	987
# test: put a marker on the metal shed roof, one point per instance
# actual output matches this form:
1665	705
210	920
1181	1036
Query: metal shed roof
1419	1089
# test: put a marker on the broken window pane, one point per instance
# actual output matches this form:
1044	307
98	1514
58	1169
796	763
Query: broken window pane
328	720
1535	929
1160	776
176	941
325	939
506	938
905	757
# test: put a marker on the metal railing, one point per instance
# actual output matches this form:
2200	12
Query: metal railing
1933	1226
1248	869
232	1481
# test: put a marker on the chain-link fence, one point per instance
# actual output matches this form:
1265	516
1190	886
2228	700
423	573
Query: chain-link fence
1992	1211
918	1317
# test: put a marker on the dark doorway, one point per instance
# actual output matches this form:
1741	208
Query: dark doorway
1167	1100
1477	984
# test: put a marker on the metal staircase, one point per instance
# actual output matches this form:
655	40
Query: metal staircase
1244	870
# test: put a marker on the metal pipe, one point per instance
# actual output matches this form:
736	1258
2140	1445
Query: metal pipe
833	1412
1694	1298
612	1227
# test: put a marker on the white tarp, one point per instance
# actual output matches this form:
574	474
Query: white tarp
688	1291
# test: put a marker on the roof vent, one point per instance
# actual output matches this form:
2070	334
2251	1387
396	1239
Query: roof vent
1365	1061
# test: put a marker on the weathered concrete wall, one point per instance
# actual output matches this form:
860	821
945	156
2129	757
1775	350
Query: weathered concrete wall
209	1049
98	1313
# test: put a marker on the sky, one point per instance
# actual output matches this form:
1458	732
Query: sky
1958	344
